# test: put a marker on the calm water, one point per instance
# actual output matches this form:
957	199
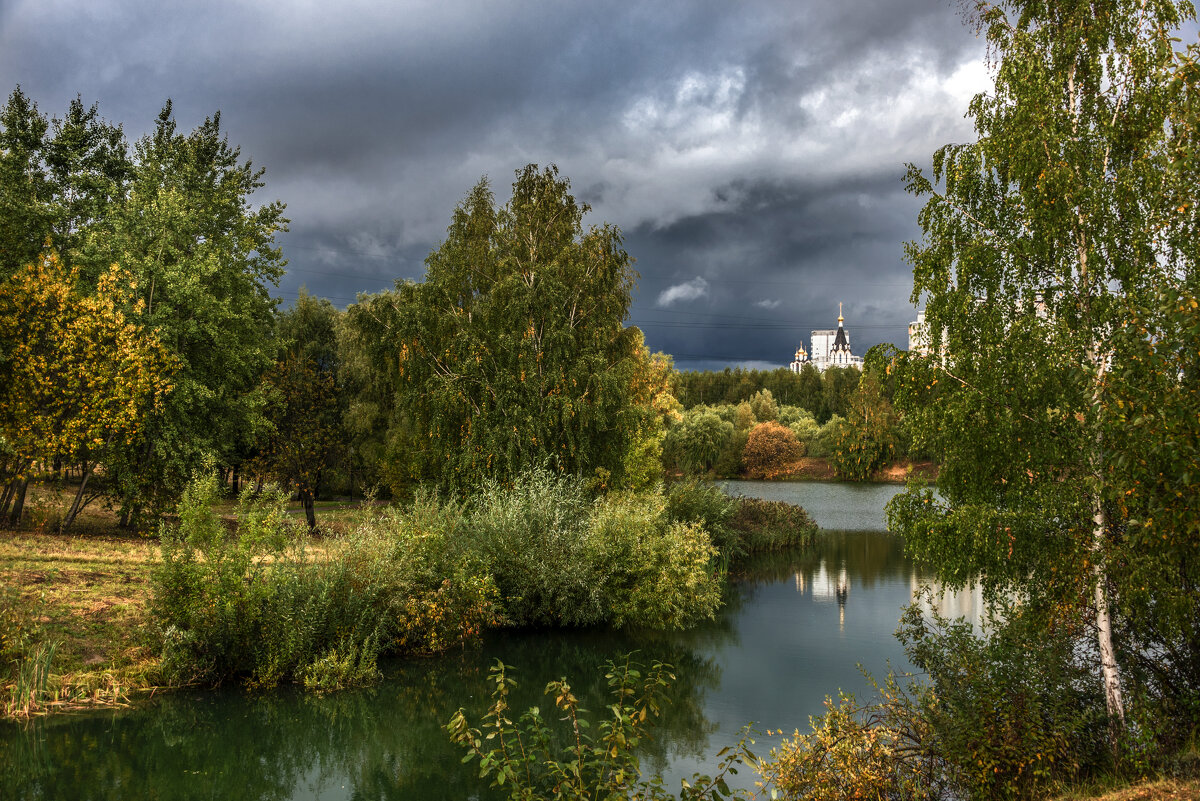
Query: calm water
793	632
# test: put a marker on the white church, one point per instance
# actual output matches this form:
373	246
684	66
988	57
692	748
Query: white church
829	348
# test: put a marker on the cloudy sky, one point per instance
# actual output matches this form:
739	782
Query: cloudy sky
751	152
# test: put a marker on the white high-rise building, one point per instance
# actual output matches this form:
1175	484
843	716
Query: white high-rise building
829	348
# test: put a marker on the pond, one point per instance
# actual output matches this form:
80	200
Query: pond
793	631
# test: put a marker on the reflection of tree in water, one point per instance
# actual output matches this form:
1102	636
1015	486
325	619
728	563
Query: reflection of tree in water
385	742
580	656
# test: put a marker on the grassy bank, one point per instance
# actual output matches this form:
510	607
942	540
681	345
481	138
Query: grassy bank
819	468
88	595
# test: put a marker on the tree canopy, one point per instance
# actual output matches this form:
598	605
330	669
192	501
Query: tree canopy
1043	241
512	352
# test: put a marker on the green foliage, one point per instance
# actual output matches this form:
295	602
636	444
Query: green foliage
739	526
1152	427
195	263
304	404
652	572
806	389
697	441
801	421
560	559
513	352
531	535
770	448
1071	217
770	525
865	441
60	182
253	603
823	442
763	405
581	758
204	259
1016	710
695	501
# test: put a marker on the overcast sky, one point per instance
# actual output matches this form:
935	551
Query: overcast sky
751	152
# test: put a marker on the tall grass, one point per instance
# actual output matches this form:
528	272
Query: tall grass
30	690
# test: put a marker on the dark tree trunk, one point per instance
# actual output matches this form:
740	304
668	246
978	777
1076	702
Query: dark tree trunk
237	480
7	497
85	470
14	518
309	512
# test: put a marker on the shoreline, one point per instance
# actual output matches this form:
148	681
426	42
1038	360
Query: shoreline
818	469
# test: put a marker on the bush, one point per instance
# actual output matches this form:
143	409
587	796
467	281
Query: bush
739	526
530	535
653	572
253	603
694	501
875	751
769	449
696	442
770	525
1016	710
561	560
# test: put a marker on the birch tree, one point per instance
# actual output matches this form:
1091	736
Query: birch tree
1072	209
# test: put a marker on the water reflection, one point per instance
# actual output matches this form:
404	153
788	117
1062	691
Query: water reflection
793	630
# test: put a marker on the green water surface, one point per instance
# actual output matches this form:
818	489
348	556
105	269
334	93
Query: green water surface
793	631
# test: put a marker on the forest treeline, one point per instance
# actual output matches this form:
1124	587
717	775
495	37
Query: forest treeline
140	341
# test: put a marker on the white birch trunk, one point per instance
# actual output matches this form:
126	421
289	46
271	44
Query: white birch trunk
1108	657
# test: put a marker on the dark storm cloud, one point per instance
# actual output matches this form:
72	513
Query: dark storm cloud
775	266
754	149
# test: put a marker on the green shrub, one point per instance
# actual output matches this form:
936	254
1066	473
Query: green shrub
770	525
559	559
530	535
1016	709
695	501
697	441
739	526
654	572
253	603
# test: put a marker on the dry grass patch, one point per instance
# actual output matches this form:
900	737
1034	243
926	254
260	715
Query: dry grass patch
89	593
1162	790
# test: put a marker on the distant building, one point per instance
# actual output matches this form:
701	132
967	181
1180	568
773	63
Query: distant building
918	335
829	348
919	341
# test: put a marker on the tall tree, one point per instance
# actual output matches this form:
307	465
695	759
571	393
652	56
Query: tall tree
1072	208
25	217
205	260
60	180
81	374
513	352
304	406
